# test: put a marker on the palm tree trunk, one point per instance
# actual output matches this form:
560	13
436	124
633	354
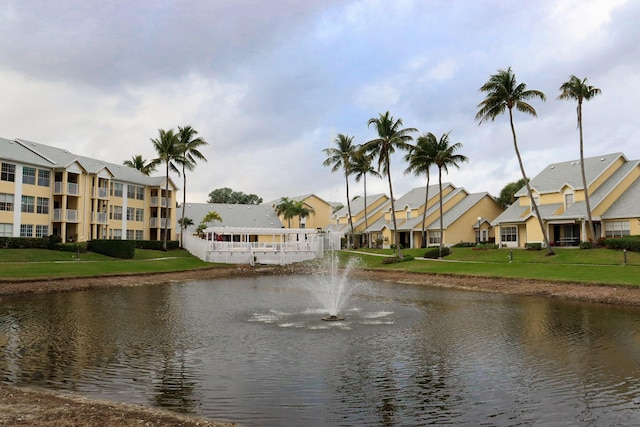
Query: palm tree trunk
366	221
526	182
184	201
584	177
166	209
441	225
353	236
393	212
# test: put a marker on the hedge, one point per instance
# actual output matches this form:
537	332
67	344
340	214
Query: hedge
630	243
434	253
24	243
156	244
125	249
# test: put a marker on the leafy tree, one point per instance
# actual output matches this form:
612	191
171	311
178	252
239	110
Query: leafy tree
421	157
391	136
445	157
167	146
227	195
580	90
341	157
361	168
504	93
507	194
189	146
140	163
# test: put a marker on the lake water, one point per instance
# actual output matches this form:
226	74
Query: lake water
255	351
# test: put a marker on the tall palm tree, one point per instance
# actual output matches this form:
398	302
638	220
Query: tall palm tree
140	163
189	145
445	156
361	168
391	136
341	157
421	157
302	210
503	92
286	208
580	90
167	146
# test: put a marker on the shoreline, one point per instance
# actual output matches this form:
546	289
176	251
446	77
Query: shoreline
28	406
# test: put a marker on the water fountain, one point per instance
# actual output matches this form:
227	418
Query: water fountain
331	286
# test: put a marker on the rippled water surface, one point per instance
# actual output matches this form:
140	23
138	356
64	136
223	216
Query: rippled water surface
254	351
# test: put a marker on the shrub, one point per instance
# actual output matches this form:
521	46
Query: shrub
156	244
434	253
24	242
390	260
125	249
533	246
464	245
586	245
630	243
482	246
72	247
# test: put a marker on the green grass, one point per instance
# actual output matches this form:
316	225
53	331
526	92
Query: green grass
43	263
603	266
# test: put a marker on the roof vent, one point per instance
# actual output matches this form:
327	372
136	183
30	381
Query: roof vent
602	159
552	167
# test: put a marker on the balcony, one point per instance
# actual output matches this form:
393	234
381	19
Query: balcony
68	215
158	222
100	193
155	202
72	189
98	218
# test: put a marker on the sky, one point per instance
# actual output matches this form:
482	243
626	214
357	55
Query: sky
270	83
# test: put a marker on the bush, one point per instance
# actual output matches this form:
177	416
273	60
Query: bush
586	245
24	242
482	246
434	253
464	245
533	246
630	243
125	249
72	247
156	244
390	260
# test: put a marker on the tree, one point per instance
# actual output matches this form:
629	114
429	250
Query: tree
287	209
391	136
445	156
503	92
227	195
580	90
421	157
185	222
140	163
507	194
302	210
211	216
167	146
189	147
341	157
361	168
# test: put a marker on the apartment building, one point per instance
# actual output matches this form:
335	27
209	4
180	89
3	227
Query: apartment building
46	190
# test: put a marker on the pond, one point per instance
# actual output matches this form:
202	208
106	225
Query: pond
255	351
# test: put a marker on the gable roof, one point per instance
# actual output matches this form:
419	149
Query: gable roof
357	205
233	215
414	198
452	215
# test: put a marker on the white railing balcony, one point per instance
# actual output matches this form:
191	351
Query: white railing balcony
158	222
159	201
100	193
72	189
99	217
69	215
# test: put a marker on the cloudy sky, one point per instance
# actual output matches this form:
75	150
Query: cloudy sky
269	83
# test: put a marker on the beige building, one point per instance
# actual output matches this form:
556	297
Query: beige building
319	218
613	183
46	190
375	210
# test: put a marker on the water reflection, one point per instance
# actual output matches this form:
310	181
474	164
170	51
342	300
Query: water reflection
254	351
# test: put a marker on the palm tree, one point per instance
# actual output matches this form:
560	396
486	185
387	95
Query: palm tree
361	168
503	92
185	222
421	157
167	146
189	145
287	209
140	163
341	157
444	158
391	136
302	210
580	90
211	216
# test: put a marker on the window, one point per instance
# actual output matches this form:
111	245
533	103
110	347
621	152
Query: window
616	228
131	212
6	202
43	205
28	204
116	189
129	234
6	230
117	234
131	191
434	237
140	193
117	213
139	214
8	172
28	175
139	235
26	230
409	214
568	200
509	234
42	230
43	177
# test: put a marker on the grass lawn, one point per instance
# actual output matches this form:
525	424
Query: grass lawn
43	263
603	266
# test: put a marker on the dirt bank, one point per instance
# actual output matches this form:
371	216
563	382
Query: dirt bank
22	407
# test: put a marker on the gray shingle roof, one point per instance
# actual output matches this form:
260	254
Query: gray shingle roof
415	197
451	216
628	205
233	215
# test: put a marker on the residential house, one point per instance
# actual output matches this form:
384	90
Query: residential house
613	183
46	190
375	209
319	217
